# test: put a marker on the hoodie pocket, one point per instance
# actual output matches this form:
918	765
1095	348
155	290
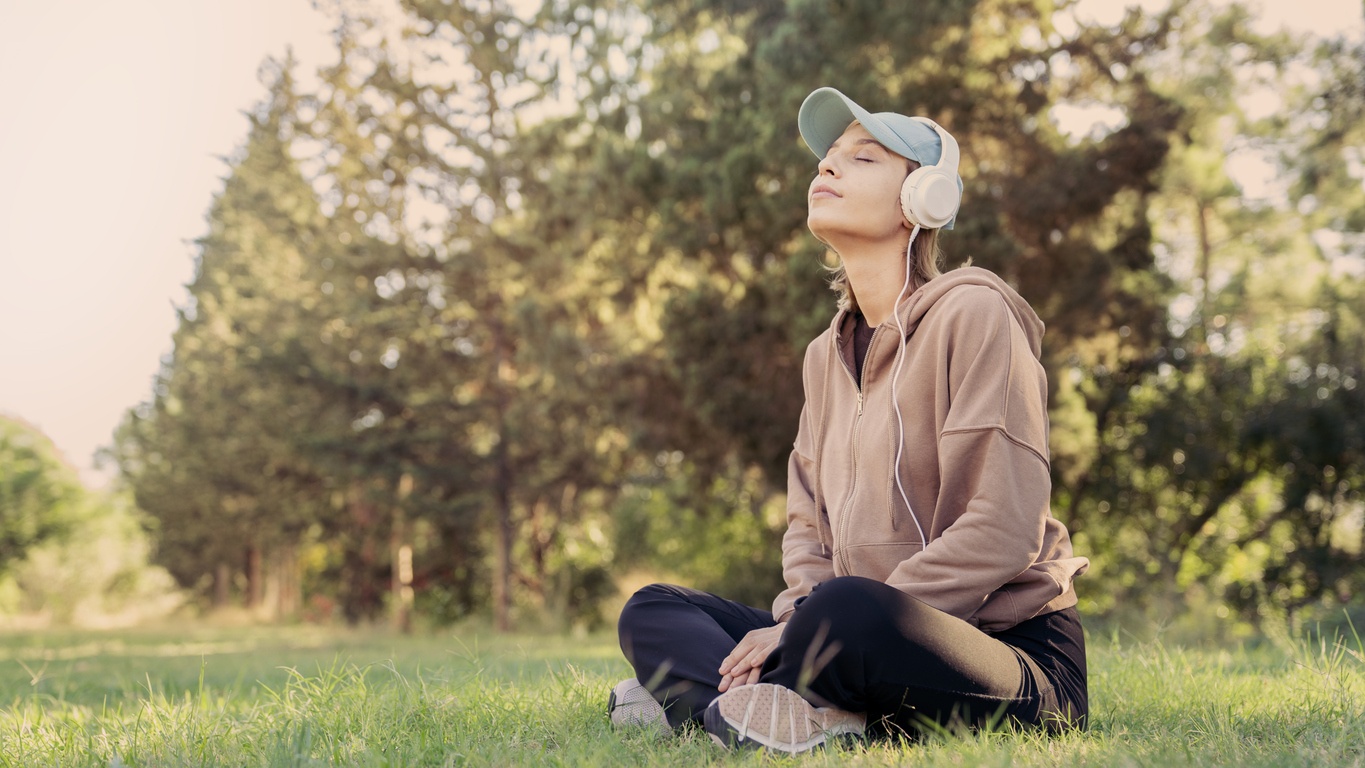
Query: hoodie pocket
876	560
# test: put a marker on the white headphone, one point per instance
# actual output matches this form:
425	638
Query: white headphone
930	196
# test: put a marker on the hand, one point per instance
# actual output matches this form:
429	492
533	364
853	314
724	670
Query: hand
745	662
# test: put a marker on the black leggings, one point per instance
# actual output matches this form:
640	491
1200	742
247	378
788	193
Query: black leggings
862	646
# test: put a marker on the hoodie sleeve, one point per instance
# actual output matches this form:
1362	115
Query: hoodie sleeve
806	560
995	484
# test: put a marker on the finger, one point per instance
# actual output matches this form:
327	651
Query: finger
748	678
739	670
757	657
730	660
742	650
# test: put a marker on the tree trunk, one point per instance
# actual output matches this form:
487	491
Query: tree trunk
539	540
503	377
1205	257
279	600
287	565
502	568
254	586
222	577
362	596
402	586
400	559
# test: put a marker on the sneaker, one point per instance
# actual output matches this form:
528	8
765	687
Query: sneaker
630	705
771	716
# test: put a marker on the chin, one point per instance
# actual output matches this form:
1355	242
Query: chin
820	226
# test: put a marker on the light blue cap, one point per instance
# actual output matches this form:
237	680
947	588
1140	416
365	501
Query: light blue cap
827	113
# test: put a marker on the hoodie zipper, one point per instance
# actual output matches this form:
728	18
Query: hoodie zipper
860	383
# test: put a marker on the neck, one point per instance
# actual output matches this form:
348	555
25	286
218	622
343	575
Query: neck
877	277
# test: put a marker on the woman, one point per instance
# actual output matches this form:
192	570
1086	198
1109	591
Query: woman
928	582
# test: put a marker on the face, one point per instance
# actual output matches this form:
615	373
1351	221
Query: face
855	195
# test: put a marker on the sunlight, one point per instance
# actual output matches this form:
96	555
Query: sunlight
1091	121
120	648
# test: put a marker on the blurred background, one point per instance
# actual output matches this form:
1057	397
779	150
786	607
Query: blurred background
426	311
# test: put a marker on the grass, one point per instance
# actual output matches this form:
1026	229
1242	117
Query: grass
313	696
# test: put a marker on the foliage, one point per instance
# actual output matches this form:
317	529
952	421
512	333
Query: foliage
1232	450
726	538
72	556
99	576
212	458
39	492
519	294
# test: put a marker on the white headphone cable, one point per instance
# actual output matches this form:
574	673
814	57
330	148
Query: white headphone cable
895	399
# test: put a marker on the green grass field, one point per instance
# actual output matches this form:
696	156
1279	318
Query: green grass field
313	696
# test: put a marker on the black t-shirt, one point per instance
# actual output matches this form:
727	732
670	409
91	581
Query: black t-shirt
862	338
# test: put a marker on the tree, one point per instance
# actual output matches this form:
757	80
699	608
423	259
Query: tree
39	491
213	457
520	294
1215	449
690	156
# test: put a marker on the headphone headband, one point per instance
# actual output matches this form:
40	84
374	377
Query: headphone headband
950	156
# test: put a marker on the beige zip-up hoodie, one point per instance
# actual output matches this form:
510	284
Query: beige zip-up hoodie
974	465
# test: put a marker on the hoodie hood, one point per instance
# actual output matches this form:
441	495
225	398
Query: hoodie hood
912	311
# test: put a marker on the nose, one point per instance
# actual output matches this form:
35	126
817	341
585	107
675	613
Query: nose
827	165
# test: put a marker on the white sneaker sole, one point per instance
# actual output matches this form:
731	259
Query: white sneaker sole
631	706
776	718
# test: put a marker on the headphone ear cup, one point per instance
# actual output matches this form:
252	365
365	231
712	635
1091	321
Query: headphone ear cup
929	197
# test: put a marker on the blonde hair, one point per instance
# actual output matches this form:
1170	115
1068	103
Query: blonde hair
926	260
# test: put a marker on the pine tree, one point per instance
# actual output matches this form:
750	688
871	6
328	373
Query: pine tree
213	456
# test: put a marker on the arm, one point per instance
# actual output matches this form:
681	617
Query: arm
999	532
806	560
808	544
994	478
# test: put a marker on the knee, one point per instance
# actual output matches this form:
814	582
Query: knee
647	623
640	604
847	607
842	596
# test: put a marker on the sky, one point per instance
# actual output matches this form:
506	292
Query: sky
114	119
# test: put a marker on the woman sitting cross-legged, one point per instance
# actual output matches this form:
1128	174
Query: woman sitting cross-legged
927	582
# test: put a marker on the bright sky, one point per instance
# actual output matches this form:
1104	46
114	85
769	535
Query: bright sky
113	117
113	120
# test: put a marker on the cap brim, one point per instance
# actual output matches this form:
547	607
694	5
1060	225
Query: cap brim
827	113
